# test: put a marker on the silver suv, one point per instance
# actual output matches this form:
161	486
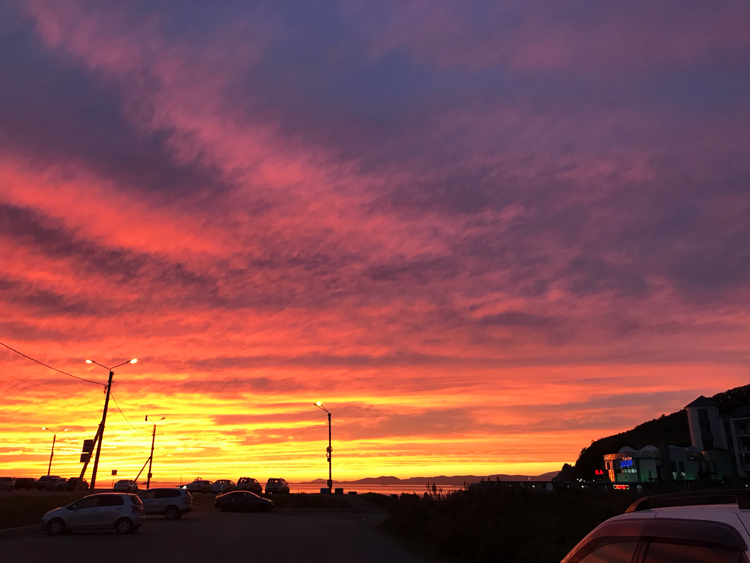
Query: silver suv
121	512
699	527
172	503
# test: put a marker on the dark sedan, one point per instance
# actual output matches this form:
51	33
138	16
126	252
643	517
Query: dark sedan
25	483
242	500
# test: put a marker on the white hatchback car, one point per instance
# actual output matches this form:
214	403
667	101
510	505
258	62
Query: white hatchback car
222	486
126	486
121	512
699	527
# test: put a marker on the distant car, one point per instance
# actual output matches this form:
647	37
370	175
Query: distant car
249	484
222	486
72	484
243	500
126	486
121	512
53	483
277	487
688	527
199	486
172	503
25	483
40	482
7	483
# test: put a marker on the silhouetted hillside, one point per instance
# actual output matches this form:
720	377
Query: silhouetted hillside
671	428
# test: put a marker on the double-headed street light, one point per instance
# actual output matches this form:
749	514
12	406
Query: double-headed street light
52	453
151	457
100	433
329	449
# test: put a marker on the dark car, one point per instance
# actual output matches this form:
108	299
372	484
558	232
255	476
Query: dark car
73	481
249	484
242	500
52	483
25	483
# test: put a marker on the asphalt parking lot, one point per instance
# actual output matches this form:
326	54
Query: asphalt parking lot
210	536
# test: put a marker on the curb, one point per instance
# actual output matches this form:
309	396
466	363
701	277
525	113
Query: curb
12	533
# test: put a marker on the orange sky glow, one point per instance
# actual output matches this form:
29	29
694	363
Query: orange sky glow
480	254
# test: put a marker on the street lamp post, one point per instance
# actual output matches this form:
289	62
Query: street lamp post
329	449
52	453
151	457
100	434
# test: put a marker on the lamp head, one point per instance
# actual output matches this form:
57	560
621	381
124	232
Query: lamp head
89	362
319	404
134	360
65	430
44	428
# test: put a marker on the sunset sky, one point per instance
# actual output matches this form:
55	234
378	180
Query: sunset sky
482	234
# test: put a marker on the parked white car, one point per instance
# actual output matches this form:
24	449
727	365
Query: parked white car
276	486
172	503
222	486
126	486
121	512
199	486
705	526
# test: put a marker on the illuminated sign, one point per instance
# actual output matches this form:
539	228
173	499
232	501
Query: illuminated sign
621	487
598	472
626	462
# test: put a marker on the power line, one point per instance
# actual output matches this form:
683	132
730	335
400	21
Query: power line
305	430
29	382
123	414
50	367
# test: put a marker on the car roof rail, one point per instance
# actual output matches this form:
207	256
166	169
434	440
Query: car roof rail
740	497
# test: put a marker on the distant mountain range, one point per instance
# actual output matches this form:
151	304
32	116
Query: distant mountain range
440	479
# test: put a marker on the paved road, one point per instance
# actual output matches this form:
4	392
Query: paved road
210	536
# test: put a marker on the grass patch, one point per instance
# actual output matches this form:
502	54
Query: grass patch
21	510
503	524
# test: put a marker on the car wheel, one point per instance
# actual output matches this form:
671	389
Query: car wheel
124	526
172	513
56	527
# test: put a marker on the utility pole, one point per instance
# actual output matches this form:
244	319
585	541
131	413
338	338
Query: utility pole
100	432
52	453
329	449
151	457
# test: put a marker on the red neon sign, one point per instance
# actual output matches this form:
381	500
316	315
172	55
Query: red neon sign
598	472
621	487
